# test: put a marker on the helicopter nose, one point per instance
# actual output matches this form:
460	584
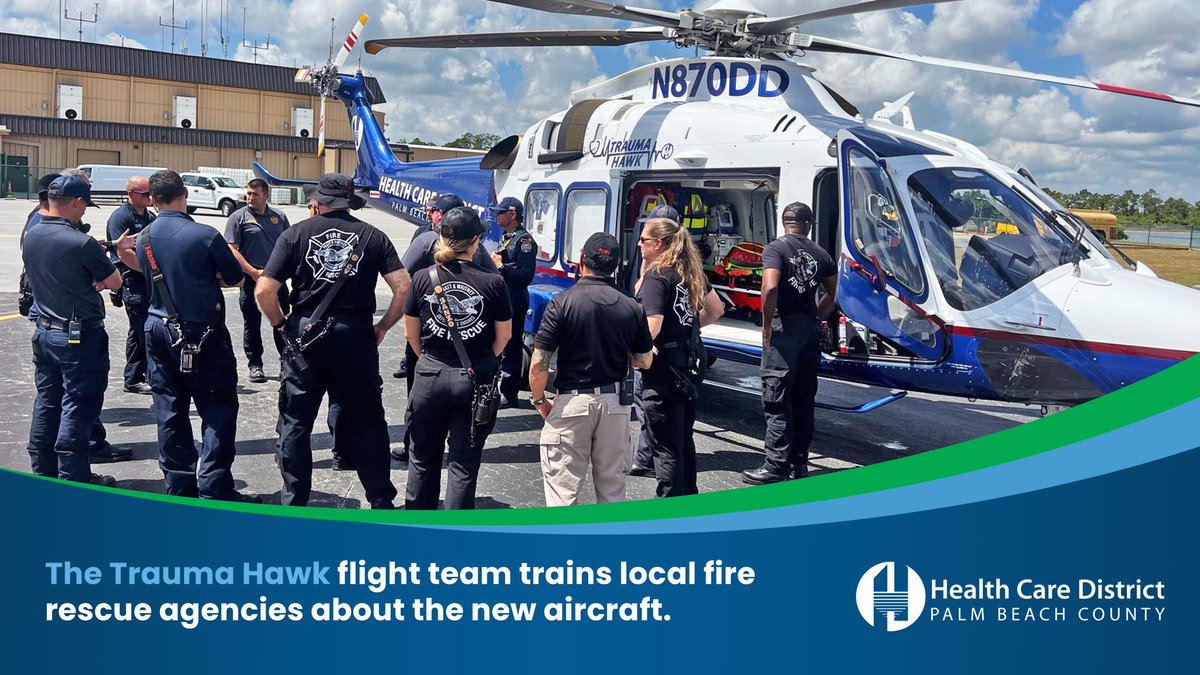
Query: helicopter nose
1135	325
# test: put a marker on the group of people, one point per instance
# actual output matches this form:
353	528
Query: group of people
463	311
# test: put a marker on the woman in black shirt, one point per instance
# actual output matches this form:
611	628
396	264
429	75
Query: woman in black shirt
439	404
675	295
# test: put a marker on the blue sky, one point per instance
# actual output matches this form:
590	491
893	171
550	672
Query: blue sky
1069	139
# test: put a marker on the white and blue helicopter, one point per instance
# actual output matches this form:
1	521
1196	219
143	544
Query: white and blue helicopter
957	275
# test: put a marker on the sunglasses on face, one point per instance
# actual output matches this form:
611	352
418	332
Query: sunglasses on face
646	240
139	192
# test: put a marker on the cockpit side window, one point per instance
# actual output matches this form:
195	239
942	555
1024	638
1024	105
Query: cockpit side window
879	225
984	240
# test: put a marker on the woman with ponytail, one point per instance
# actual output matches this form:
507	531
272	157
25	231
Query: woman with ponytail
474	304
678	301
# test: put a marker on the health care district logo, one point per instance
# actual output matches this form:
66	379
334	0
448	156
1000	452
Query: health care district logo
881	594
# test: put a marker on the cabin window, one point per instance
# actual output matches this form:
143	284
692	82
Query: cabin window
585	214
878	223
541	220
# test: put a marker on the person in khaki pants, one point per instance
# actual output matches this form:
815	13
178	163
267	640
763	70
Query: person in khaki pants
597	331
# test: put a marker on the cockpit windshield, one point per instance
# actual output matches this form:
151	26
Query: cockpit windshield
985	240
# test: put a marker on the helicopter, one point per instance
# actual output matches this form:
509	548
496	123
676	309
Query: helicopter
957	275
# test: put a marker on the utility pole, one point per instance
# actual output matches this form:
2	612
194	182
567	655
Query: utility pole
80	20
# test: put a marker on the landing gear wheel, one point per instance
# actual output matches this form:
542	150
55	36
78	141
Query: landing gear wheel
756	317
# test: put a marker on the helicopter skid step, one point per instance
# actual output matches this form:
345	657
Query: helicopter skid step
867	407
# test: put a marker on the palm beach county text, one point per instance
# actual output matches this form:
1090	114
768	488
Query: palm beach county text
617	593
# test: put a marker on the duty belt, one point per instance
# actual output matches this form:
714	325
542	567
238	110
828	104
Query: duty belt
606	389
54	324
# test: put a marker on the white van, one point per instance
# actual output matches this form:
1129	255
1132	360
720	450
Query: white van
108	180
211	191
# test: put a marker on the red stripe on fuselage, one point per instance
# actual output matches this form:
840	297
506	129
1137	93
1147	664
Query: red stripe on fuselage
1132	92
1081	345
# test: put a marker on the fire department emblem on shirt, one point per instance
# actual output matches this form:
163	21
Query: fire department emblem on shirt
329	252
466	306
683	305
804	272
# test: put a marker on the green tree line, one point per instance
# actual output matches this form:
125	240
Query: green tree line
1130	207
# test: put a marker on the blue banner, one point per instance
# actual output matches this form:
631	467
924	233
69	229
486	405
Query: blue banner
1066	545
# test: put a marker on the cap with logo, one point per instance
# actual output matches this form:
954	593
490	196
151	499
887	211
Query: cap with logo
797	211
461	223
335	190
510	204
600	253
70	187
447	201
662	211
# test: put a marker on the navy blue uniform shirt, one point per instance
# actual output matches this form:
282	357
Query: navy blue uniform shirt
126	219
518	255
419	254
190	256
61	264
255	235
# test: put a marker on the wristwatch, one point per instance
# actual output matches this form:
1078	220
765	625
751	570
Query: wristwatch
538	401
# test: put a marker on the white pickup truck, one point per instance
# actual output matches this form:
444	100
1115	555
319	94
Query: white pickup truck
211	191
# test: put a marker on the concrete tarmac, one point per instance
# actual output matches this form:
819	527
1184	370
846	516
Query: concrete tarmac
728	432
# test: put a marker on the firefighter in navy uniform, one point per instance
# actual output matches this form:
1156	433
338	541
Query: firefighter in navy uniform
191	356
440	404
794	267
516	259
252	232
65	269
133	217
342	347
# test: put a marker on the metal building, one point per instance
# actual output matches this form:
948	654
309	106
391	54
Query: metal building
66	103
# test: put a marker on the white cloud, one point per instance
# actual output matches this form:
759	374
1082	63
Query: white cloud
1069	139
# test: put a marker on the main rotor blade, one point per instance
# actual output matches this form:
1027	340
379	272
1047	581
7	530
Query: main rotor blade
539	38
601	9
351	39
838	46
771	25
303	75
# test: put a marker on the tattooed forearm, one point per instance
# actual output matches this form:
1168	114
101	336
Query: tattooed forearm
541	360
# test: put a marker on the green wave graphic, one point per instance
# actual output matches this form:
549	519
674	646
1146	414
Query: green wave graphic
1172	387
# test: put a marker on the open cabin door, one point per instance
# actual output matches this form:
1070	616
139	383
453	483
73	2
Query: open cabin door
882	282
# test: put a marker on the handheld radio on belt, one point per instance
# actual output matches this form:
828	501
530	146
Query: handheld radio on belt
189	350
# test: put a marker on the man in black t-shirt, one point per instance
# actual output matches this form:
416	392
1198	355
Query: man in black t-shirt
252	232
344	362
65	269
596	330
133	217
794	267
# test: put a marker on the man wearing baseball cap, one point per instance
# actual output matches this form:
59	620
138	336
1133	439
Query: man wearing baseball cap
596	330
341	338
516	258
66	269
794	268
